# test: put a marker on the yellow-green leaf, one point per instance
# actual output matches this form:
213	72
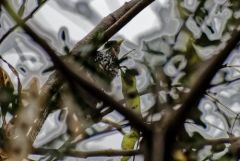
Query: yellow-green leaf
130	92
132	98
129	140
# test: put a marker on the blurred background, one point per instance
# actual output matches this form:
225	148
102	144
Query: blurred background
156	26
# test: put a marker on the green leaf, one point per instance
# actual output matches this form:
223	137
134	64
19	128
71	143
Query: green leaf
132	98
129	90
129	141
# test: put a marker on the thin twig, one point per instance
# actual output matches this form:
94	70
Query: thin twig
224	82
216	142
218	101
12	29
212	125
114	125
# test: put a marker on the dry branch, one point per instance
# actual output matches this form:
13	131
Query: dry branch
104	25
86	154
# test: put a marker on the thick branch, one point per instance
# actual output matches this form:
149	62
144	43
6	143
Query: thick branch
112	23
177	118
86	154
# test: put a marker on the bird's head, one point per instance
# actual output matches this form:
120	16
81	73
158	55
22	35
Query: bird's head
113	44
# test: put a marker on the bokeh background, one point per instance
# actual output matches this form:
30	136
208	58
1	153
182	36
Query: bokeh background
161	19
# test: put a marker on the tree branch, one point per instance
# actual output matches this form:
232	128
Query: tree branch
216	142
86	154
176	118
112	23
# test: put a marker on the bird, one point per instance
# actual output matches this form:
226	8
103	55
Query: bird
107	58
105	61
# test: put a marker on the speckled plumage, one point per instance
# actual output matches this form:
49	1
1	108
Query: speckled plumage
108	57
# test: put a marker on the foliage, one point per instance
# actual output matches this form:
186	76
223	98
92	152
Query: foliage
132	98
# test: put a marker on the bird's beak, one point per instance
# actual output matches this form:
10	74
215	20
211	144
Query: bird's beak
120	41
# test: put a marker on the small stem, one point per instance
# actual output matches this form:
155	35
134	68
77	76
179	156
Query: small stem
114	124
